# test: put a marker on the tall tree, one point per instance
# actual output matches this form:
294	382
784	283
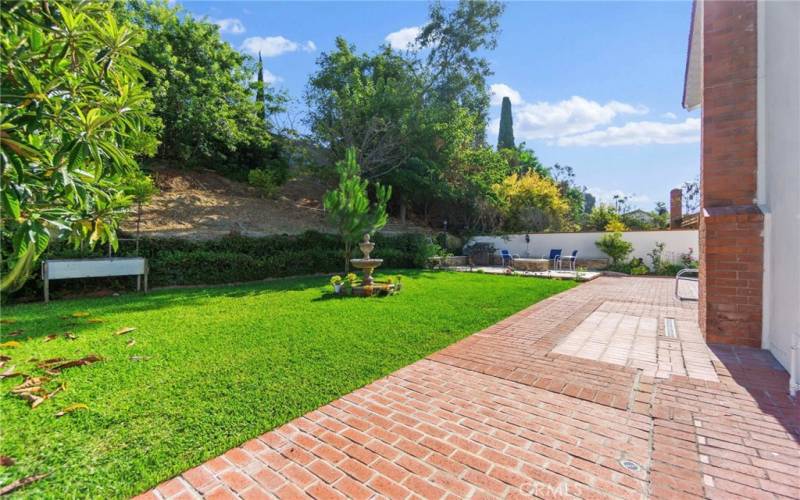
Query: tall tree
370	102
505	139
203	91
455	40
260	98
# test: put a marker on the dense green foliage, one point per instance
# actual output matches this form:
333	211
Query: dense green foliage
214	367
237	259
613	245
418	124
75	114
348	206
505	138
456	68
203	93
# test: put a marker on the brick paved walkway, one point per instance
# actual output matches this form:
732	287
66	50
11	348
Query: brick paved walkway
506	413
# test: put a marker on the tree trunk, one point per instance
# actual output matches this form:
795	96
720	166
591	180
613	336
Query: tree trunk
138	225
347	251
403	212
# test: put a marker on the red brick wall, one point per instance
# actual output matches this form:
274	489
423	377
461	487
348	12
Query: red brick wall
731	225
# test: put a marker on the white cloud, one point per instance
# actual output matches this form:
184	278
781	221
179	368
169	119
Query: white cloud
500	90
669	116
576	115
273	46
638	133
229	25
607	196
403	39
269	77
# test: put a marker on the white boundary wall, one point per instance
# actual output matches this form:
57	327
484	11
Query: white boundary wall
677	242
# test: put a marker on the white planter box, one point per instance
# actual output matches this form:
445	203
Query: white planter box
59	269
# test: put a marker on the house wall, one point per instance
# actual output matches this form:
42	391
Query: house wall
677	242
731	224
779	172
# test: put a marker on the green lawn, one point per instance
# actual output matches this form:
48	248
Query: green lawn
217	366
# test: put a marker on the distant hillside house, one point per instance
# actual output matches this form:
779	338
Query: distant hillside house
645	218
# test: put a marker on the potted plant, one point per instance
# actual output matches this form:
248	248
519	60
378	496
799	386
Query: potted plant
336	282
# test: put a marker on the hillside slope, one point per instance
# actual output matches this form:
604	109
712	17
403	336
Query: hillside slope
201	204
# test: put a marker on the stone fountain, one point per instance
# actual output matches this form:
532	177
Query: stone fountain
366	263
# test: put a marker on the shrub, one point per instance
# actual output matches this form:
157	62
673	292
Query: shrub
616	226
614	246
264	180
235	259
656	257
639	270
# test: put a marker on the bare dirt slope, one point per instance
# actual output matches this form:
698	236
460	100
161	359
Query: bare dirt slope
201	204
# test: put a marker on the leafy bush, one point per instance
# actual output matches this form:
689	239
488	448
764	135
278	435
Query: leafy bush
236	259
614	246
616	226
75	116
264	180
639	270
656	257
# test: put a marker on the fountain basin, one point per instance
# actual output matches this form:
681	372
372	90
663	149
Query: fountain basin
366	263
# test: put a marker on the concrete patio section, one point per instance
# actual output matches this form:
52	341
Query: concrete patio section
580	395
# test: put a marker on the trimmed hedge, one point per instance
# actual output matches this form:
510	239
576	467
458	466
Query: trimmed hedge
238	258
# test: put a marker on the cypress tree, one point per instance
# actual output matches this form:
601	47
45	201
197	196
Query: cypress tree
260	97
505	139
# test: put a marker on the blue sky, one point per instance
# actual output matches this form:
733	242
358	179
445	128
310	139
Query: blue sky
594	85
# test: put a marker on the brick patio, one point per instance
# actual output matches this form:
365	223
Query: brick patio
553	401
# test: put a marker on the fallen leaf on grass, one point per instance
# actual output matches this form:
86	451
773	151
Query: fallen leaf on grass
71	408
48	362
6	461
86	360
95	320
9	373
131	342
70	336
124	330
11	344
140	358
30	382
7	321
15	333
35	400
19	483
50	337
80	314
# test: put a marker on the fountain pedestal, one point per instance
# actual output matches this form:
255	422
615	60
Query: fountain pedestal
366	264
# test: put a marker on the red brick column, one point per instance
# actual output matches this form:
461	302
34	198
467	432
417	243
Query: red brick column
675	208
731	225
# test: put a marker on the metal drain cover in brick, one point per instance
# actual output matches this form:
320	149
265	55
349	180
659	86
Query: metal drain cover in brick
670	328
630	465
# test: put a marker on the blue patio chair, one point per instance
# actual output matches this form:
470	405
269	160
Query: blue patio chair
555	257
506	256
570	260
